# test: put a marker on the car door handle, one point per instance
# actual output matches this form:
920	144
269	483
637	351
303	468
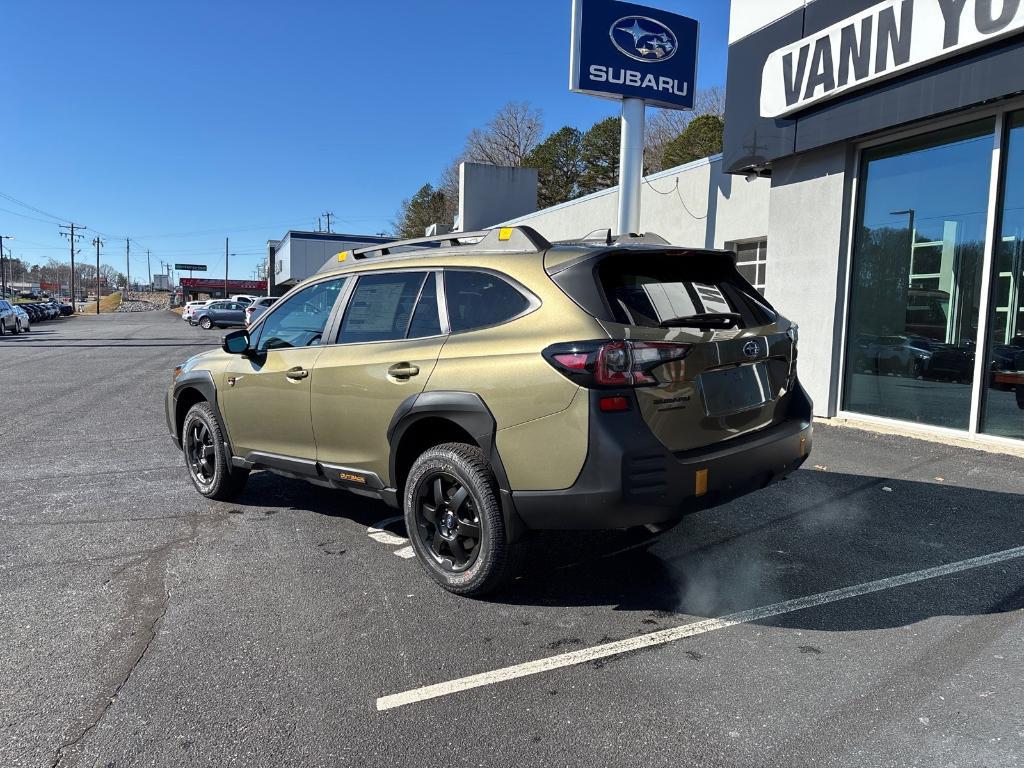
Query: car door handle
403	370
297	373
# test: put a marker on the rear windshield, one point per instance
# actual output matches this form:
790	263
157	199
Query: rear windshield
649	289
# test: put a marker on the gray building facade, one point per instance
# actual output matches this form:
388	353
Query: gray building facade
891	136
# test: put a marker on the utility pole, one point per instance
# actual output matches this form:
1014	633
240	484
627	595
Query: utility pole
149	269
127	266
327	215
3	272
68	231
97	242
225	267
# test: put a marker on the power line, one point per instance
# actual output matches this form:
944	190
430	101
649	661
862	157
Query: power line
26	216
16	201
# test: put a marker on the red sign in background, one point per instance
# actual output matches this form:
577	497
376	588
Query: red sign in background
203	283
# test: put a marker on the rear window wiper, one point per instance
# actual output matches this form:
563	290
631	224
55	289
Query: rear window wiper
704	320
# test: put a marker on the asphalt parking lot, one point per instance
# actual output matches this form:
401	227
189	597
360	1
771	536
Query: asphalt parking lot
142	625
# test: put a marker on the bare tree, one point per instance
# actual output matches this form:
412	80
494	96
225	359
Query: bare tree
449	186
663	126
667	124
710	101
508	138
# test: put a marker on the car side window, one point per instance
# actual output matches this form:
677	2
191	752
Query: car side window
382	307
301	319
479	299
425	320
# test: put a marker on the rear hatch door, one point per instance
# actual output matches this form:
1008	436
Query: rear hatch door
740	365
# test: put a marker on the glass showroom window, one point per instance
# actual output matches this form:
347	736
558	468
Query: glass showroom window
751	260
1003	411
916	276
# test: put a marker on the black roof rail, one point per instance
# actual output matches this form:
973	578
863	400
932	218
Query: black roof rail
605	237
647	237
498	239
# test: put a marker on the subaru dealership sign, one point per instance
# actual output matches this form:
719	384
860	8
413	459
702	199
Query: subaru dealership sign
621	50
877	43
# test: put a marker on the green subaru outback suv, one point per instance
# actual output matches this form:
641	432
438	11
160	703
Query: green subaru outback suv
489	384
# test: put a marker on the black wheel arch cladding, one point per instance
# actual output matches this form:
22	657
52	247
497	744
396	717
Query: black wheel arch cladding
464	409
202	384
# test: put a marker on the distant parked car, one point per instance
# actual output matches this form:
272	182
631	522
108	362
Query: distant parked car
257	308
191	307
24	321
66	309
220	314
8	318
245	298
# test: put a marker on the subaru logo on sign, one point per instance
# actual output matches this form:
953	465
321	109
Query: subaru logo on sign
644	39
751	349
622	50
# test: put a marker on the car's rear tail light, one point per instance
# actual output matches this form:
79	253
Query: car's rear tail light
619	363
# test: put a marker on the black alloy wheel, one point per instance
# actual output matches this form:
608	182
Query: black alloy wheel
456	525
200	453
207	455
447	522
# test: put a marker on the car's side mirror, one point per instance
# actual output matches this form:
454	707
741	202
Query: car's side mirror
236	342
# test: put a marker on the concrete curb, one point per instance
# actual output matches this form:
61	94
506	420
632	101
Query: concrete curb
980	444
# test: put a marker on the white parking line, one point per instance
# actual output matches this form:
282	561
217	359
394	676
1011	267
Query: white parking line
661	637
377	533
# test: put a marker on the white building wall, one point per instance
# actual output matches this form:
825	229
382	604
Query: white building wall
283	261
490	192
692	205
748	16
807	257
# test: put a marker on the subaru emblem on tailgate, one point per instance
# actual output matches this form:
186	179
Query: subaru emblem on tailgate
751	349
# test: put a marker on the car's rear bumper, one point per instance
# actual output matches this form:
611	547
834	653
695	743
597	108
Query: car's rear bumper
631	479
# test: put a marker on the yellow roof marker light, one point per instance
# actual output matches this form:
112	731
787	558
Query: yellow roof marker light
343	255
505	234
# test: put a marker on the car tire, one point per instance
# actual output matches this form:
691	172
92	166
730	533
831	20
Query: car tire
206	323
1020	396
3	328
453	514
207	457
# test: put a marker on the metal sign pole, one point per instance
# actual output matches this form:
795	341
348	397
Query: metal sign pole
631	165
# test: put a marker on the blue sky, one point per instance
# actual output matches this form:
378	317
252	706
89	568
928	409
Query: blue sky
181	123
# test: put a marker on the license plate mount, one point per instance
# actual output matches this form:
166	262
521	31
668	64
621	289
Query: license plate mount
732	390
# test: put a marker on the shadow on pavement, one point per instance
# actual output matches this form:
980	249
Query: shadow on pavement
817	531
